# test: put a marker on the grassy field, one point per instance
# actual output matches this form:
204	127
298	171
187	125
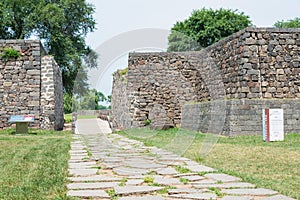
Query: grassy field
34	166
273	165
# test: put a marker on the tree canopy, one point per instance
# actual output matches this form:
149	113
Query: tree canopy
62	26
205	27
293	23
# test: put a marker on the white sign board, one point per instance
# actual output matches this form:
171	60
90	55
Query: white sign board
273	125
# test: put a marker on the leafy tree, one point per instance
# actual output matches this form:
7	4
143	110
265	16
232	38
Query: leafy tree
62	26
91	100
70	103
205	27
293	23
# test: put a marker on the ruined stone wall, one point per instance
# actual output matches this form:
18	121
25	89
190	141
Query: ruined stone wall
119	102
238	116
254	63
266	66
23	82
20	81
257	63
51	95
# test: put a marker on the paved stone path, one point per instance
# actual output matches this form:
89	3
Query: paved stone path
108	166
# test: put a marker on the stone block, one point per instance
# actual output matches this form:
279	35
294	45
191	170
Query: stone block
264	84
245	89
7	84
89	193
33	72
280	71
130	190
250	41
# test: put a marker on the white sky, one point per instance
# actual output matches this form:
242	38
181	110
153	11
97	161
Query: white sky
116	17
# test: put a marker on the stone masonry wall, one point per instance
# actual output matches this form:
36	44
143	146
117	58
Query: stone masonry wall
254	63
119	102
21	84
266	66
158	85
238	116
20	81
51	95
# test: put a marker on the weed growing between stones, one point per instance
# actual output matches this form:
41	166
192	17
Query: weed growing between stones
217	191
203	173
123	182
97	167
166	189
182	170
184	181
112	194
149	180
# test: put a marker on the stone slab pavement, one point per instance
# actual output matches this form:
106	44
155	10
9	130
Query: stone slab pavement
104	165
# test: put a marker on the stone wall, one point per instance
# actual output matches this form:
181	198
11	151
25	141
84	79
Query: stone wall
157	85
238	116
119	102
254	63
263	64
23	82
52	116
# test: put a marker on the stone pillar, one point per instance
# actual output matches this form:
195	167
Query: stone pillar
51	95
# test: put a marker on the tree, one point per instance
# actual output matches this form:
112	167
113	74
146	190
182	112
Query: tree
70	103
62	26
91	100
293	23
205	27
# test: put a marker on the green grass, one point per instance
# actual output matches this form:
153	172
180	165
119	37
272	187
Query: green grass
35	165
86	116
68	117
273	165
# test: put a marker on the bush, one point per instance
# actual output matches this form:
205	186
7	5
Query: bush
9	52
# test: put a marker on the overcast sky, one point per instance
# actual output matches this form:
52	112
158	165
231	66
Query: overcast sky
115	18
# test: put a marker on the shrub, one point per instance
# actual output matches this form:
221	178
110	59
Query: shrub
9	52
